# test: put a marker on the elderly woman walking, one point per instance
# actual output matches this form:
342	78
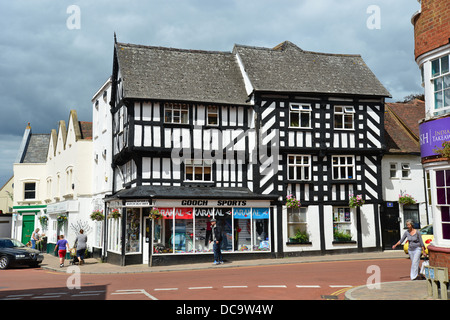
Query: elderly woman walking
414	249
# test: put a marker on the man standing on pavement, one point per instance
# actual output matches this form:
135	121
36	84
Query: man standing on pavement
217	238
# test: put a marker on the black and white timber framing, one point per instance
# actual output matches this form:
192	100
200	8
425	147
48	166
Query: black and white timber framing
252	91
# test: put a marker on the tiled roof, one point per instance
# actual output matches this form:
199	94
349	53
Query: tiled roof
180	75
402	126
37	149
86	130
287	68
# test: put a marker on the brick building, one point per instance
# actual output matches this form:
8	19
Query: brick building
432	53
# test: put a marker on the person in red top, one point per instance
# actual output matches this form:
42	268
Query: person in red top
61	245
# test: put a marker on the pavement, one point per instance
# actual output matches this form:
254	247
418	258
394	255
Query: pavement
398	290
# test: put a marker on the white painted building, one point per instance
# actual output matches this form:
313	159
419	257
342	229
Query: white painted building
102	157
29	184
68	187
402	172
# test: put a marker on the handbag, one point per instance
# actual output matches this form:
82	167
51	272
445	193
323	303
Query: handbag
425	263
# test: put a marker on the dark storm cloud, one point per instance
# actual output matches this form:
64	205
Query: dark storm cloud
47	69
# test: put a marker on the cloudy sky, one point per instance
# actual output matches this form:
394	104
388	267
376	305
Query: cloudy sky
48	67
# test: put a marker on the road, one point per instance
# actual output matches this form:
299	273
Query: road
300	281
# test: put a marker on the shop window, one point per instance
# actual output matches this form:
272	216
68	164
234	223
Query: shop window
224	219
242	229
203	232
297	226
300	116
443	187
183	240
133	234
445	216
260	229
30	191
344	117
342	223
162	235
299	167
428	184
343	167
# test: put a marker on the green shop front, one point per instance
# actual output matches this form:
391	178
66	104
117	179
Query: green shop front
25	221
172	225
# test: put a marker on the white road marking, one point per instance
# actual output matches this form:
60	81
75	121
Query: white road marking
307	286
135	291
340	286
199	288
165	289
272	286
234	287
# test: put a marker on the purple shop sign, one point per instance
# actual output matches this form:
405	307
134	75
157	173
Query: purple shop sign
432	135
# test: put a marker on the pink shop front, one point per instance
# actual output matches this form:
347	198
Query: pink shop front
164	232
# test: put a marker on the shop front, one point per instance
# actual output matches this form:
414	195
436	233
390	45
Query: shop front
170	231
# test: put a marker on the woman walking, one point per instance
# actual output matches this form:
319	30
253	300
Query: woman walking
414	249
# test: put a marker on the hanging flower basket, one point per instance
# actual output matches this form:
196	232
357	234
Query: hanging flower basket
43	220
292	203
114	214
97	215
406	199
62	219
355	201
155	214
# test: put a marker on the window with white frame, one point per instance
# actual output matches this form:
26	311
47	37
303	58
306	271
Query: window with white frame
440	75
406	171
299	167
213	116
343	167
443	200
344	117
176	113
29	190
114	235
297	224
198	170
342	224
300	116
393	170
403	173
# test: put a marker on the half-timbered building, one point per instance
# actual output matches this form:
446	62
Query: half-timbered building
232	135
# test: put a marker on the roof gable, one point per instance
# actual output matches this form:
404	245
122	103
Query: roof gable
402	126
287	68
182	75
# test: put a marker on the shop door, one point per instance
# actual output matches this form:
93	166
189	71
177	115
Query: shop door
27	227
147	240
390	225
